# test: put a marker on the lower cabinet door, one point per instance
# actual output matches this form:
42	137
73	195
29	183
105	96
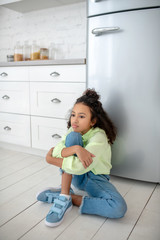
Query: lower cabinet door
54	99
14	97
47	132
15	129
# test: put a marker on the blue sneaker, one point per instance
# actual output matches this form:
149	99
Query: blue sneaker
48	195
57	212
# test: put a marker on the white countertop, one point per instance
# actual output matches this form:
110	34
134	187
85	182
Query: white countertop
44	62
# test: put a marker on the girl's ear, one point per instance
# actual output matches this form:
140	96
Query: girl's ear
93	122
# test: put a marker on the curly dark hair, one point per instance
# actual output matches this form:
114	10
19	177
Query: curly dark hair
90	98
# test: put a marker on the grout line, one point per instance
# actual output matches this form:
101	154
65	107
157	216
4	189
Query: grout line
142	211
26	190
24	159
22	179
108	218
67	227
41	221
30	229
18	181
18	214
99	228
8	156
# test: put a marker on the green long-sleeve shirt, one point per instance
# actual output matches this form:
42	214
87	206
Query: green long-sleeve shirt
96	142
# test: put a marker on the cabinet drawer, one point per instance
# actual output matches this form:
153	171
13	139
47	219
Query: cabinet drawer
13	74
56	73
14	97
47	132
54	99
15	129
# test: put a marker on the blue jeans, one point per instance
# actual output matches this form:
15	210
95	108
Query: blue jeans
104	199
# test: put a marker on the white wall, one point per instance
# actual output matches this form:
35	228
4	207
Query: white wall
65	26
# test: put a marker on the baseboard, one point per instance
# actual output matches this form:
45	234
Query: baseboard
23	149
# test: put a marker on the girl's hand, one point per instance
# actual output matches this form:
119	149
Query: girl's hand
50	152
53	160
84	156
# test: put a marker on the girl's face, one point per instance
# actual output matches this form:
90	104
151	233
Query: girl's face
81	118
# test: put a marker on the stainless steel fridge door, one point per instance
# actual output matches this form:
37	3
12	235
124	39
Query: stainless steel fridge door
124	67
97	7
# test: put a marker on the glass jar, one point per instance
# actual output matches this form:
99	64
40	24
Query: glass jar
58	54
52	51
35	51
26	51
18	53
10	58
44	53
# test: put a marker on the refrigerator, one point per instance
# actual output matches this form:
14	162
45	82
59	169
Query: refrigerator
123	66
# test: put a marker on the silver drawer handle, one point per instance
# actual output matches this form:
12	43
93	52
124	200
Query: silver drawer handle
7	128
99	31
55	100
55	74
57	136
5	97
3	74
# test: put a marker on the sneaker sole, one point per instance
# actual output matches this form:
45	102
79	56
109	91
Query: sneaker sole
58	223
53	189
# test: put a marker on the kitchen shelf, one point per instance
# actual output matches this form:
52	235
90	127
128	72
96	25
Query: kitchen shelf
25	6
44	62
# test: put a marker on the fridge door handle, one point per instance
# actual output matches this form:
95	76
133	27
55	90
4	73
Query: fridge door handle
95	0
102	30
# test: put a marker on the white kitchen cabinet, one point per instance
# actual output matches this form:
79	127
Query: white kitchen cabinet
53	91
58	73
14	74
14	97
35	102
14	106
15	128
54	99
47	132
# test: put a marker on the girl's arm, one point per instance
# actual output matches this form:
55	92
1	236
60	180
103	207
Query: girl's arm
53	160
84	156
69	151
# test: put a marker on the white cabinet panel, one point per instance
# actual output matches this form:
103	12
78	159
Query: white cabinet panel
57	73
14	97
13	74
40	94
15	129
47	132
54	99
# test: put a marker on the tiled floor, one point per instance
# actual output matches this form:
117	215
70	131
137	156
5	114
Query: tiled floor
22	217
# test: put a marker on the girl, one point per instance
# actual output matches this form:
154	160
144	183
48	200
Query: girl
84	155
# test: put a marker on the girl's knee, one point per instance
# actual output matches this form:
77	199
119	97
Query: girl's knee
114	208
74	138
119	209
